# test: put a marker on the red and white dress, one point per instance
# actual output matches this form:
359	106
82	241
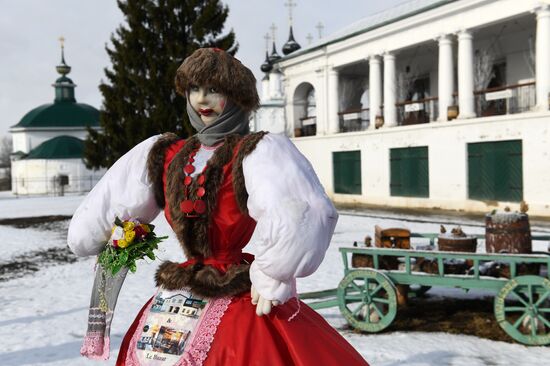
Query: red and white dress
290	222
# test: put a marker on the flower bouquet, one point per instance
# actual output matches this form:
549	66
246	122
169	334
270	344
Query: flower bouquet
130	241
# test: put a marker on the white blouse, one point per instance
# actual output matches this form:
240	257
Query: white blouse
295	218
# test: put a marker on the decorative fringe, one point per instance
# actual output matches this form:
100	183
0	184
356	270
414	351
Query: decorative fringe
96	347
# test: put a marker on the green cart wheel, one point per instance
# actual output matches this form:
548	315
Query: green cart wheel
367	299
522	309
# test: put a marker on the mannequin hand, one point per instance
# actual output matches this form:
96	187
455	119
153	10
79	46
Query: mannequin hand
263	306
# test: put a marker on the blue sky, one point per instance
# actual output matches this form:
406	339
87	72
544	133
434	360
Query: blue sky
29	46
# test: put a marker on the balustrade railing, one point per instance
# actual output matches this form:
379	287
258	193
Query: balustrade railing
509	99
353	120
308	127
412	112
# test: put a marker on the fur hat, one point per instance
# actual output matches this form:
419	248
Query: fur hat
216	68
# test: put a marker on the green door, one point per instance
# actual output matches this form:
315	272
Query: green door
409	172
347	172
495	171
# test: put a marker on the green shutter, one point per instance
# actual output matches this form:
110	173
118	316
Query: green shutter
347	172
409	172
495	171
396	180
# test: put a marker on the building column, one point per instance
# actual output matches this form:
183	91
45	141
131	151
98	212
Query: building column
542	61
332	119
466	75
390	87
320	101
375	89
445	78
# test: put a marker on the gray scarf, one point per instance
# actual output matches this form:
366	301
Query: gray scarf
232	120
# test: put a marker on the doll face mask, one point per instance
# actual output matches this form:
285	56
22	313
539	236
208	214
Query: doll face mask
207	102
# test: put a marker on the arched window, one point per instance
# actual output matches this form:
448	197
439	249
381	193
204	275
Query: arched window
305	110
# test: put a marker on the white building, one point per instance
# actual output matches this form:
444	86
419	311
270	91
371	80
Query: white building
48	144
460	93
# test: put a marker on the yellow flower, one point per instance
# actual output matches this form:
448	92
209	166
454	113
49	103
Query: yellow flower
128	225
129	236
146	228
122	243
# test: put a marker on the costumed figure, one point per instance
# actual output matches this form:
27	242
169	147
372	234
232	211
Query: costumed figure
220	190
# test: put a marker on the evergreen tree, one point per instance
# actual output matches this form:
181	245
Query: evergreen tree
139	99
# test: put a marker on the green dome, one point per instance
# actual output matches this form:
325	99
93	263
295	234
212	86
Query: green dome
60	147
61	114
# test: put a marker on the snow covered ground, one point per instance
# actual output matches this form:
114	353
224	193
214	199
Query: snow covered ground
43	316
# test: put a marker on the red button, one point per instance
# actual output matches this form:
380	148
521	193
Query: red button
187	180
189	169
186	206
201	191
200	207
201	179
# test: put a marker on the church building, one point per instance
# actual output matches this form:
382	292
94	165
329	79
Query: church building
48	143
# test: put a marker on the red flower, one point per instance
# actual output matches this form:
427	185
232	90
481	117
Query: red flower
140	232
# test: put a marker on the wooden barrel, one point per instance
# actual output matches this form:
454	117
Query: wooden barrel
398	238
453	243
507	232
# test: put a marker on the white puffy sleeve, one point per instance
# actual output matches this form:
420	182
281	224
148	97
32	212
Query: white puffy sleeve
124	191
295	218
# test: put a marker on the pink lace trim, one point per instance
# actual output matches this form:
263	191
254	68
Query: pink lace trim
196	352
200	344
297	310
96	346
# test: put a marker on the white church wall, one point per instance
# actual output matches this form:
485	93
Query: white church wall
447	145
39	176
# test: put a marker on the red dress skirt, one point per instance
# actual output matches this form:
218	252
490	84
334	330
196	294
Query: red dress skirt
243	338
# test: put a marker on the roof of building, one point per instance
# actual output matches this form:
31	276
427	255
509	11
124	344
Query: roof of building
371	22
60	147
61	114
64	111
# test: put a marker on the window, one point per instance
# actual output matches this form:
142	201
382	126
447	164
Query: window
495	171
409	172
346	166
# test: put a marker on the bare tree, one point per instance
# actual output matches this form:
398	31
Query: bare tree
405	83
483	73
483	68
5	151
5	164
530	56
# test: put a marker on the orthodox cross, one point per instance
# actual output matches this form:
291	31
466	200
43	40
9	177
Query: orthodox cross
267	37
273	29
309	38
290	4
320	28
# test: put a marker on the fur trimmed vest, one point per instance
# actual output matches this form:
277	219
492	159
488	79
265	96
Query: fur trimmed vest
212	242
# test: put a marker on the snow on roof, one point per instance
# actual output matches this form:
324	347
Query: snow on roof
374	21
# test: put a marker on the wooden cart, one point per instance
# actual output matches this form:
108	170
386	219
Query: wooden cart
367	296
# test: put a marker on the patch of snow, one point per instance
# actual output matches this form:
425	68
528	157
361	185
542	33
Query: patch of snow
43	317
